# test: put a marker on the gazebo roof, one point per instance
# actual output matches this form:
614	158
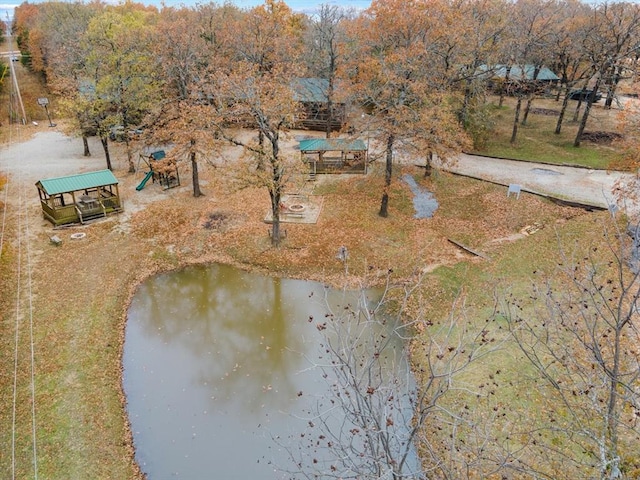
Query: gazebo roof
332	144
81	181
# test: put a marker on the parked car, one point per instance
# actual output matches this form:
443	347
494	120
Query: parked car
116	133
583	95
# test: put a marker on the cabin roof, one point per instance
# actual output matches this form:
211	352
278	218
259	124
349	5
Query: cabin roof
310	90
332	144
81	181
525	72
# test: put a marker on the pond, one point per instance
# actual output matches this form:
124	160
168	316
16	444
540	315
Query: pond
219	362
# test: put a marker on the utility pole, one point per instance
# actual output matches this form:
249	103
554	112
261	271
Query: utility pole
16	87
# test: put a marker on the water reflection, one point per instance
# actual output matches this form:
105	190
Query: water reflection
214	359
232	326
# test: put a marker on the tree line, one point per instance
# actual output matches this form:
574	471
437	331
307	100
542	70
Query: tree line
416	73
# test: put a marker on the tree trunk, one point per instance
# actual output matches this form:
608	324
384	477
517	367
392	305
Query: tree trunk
534	88
132	166
585	115
194	175
85	143
516	119
384	204
275	213
261	165
563	110
275	191
428	165
105	145
613	86
576	114
526	111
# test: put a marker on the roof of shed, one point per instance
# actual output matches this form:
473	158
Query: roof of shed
329	144
81	181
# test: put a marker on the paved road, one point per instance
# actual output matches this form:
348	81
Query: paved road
581	185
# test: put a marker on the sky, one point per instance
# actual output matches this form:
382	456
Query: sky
303	6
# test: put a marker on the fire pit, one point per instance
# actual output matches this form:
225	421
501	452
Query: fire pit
296	207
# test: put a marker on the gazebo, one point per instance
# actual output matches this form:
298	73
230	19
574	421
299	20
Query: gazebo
77	198
334	155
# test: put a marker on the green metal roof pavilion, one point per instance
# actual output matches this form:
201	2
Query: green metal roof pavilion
335	144
81	181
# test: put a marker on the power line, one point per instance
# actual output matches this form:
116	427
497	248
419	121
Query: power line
31	344
17	338
4	215
23	250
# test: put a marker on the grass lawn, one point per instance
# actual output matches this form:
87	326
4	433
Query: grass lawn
537	140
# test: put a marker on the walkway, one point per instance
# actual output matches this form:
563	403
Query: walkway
573	184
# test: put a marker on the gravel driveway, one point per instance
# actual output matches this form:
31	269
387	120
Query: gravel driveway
50	153
581	185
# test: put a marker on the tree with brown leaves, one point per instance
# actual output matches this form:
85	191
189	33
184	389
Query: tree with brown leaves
252	89
395	81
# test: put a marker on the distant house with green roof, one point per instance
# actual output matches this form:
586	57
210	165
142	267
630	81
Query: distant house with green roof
519	77
78	198
313	95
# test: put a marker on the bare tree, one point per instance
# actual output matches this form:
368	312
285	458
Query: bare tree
582	342
381	419
324	42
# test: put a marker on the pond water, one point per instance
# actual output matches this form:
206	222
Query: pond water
216	361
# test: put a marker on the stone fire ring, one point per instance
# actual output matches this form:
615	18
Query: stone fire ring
296	207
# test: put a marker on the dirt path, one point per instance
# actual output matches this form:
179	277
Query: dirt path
47	154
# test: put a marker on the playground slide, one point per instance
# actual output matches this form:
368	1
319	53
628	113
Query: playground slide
144	181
